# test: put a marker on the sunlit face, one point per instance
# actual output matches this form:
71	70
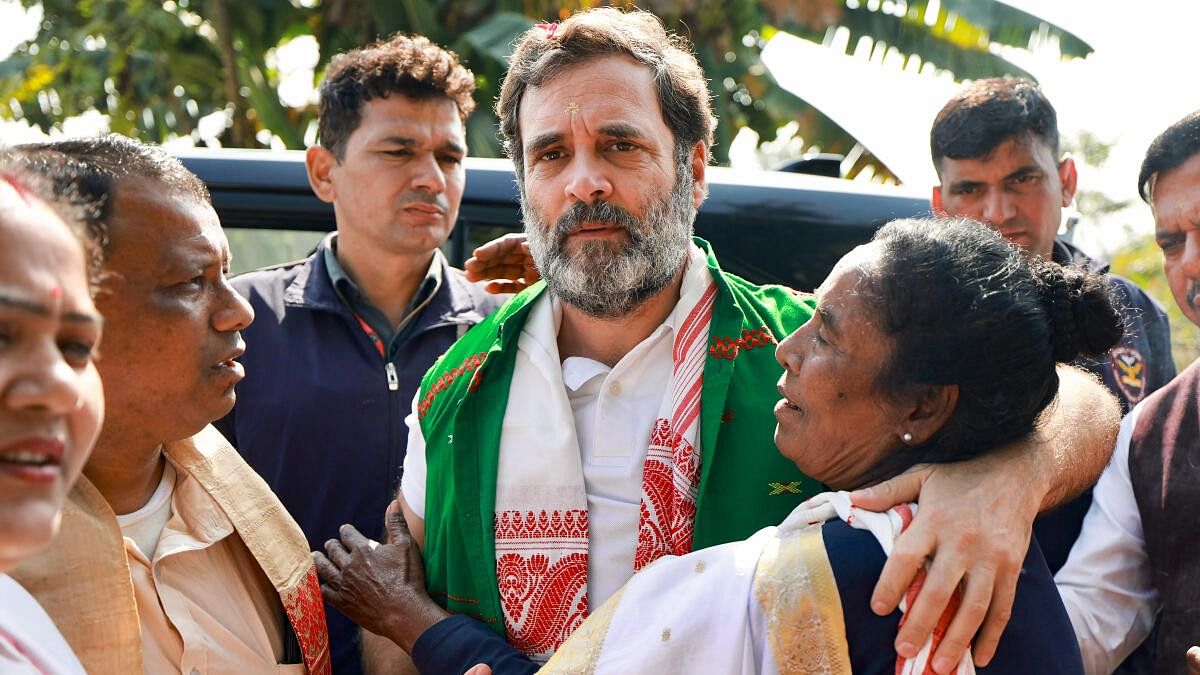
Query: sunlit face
173	319
832	421
1176	203
51	400
400	180
608	204
1019	190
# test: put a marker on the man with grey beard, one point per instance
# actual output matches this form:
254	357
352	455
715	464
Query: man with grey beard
648	367
623	409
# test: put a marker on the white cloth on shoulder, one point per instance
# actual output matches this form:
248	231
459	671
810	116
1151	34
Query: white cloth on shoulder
29	640
767	605
886	527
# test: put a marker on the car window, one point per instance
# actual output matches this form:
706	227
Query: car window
255	248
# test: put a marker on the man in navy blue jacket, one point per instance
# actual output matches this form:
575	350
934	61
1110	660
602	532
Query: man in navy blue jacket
344	336
995	146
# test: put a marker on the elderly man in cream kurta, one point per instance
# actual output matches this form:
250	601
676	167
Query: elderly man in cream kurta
174	556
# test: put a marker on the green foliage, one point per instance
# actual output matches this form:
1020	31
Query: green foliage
1089	147
1014	27
1141	262
156	67
1093	204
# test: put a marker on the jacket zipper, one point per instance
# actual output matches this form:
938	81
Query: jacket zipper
394	468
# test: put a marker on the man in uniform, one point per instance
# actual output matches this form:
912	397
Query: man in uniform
995	146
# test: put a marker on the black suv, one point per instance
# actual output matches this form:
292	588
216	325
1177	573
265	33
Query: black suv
766	226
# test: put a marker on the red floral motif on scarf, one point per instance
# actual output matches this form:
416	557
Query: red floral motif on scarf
542	557
668	510
306	611
543	601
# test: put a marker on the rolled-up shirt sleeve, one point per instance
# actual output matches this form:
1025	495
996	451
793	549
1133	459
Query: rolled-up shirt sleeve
412	482
1106	583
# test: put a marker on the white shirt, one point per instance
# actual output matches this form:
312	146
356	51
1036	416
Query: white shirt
143	527
1106	582
614	412
29	641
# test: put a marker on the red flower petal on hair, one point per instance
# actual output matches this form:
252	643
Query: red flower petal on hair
550	29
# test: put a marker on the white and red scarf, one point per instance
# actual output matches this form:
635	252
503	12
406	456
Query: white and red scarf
541	522
886	526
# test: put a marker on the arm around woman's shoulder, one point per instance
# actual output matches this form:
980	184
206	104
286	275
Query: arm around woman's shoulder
977	516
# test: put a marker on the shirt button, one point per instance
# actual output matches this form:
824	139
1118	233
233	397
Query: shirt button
615	389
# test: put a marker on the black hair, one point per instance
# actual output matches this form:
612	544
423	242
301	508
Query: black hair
988	112
964	307
91	168
1179	143
545	51
409	65
73	209
66	180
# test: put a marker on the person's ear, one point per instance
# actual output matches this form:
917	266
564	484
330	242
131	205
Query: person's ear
936	200
699	165
1068	176
930	411
319	162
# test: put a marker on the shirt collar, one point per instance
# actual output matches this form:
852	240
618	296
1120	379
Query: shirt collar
696	279
361	305
342	282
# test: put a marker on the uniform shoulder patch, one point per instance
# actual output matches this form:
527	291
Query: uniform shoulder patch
1129	370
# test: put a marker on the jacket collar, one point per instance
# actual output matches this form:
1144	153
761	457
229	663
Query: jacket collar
452	303
1066	253
312	287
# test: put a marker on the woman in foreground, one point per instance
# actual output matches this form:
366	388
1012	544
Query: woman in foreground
937	342
51	405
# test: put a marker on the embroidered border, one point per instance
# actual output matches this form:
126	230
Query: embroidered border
797	593
728	348
668	512
541	571
306	611
471	364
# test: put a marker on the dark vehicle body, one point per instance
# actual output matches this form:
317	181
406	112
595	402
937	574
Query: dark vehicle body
766	226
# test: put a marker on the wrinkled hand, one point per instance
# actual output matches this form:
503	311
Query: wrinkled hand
974	524
1193	661
381	587
504	263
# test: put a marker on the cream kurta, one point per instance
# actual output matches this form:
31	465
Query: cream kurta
228	540
204	604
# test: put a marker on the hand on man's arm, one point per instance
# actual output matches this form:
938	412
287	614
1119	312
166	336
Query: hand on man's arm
504	263
976	518
381	587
